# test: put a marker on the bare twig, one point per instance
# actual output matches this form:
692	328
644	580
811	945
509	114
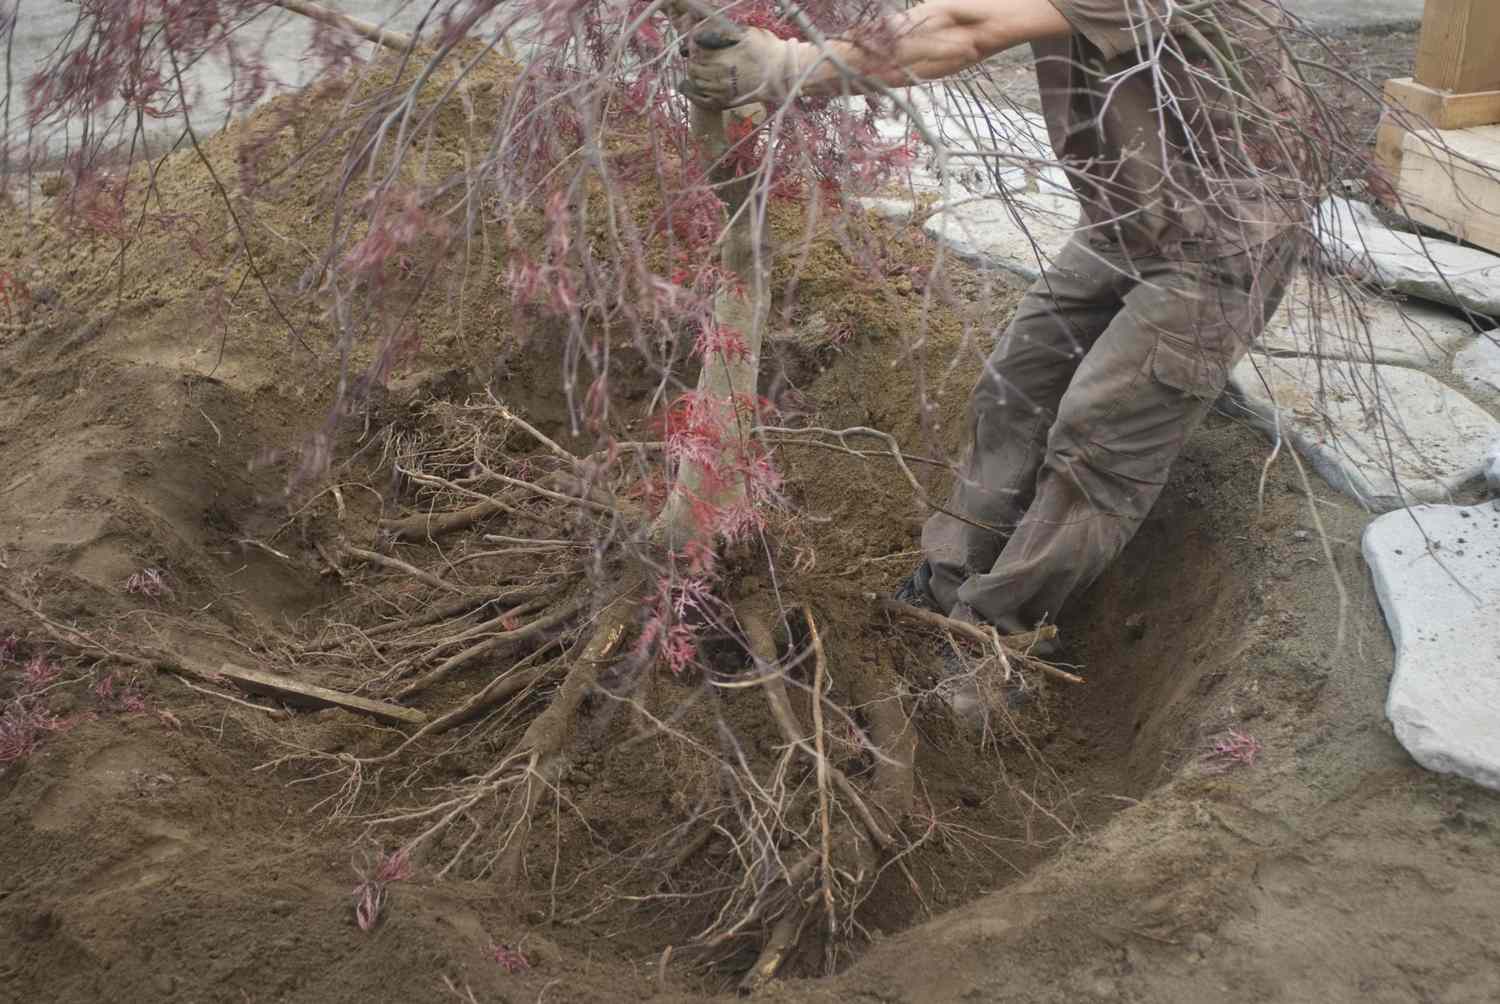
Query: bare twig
400	41
825	848
397	565
564	613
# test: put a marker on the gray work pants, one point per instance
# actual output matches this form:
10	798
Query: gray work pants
1108	366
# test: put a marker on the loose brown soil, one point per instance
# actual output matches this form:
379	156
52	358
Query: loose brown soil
147	858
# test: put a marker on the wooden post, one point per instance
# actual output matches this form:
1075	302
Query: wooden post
1457	48
1457	80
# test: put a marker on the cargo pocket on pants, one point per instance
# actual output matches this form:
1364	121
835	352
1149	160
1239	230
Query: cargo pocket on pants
1189	371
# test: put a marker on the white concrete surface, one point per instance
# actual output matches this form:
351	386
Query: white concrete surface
1013	215
1330	320
1478	365
1423	267
1437	573
1386	435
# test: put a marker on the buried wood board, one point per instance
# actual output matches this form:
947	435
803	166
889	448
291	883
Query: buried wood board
296	692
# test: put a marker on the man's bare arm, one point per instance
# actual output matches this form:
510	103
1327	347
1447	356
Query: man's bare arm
937	39
932	40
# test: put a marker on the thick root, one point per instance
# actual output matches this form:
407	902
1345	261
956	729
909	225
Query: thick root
844	859
431	526
547	738
556	619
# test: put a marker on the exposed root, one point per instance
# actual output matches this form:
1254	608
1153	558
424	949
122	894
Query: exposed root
546	740
825	848
520	677
455	608
783	939
776	836
540	626
432	525
397	565
87	644
893	790
842	863
1003	646
786	720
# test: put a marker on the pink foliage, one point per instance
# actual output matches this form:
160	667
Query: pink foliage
22	728
394	867
125	697
370	893
511	960
399	223
715	340
369	899
39	672
1233	749
148	582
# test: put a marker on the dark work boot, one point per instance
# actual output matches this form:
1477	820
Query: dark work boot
916	589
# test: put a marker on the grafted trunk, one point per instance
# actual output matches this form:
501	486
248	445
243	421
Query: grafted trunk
741	305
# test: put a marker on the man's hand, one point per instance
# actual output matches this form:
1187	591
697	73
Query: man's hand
727	70
730	65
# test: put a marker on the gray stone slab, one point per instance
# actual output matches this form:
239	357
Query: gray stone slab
1437	573
1020	235
1386	435
1011	214
1492	469
1478	365
987	234
1331	319
1358	243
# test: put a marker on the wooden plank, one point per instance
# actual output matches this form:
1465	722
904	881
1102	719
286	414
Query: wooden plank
1444	109
1390	140
1476	150
296	692
1456	50
1451	181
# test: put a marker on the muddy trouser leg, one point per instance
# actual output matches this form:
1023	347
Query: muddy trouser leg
1014	404
1143	388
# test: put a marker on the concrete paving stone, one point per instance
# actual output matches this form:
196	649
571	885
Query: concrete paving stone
1020	235
1478	365
1335	320
1386	435
1012	215
1357	242
1437	573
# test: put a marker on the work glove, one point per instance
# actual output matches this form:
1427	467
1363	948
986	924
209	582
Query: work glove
728	70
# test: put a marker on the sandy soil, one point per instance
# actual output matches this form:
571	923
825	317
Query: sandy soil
148	858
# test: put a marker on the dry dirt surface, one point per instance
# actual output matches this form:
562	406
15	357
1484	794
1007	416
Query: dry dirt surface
1219	813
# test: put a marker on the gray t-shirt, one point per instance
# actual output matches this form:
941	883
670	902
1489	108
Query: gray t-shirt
1182	124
